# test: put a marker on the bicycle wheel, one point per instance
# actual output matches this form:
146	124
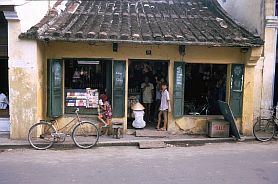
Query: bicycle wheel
40	135
264	129
85	135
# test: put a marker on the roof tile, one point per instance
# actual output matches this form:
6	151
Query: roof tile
194	22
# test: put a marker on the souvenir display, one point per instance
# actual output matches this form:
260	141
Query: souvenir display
88	98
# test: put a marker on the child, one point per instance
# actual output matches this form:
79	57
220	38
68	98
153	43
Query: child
164	107
106	116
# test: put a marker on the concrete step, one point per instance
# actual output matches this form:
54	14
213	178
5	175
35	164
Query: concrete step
4	124
151	133
151	144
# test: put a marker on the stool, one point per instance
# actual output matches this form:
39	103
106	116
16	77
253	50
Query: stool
118	129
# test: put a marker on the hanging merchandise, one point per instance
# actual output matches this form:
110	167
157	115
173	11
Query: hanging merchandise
76	74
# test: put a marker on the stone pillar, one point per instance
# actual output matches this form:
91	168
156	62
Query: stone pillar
270	56
23	80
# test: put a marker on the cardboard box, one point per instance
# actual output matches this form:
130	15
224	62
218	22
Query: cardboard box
218	128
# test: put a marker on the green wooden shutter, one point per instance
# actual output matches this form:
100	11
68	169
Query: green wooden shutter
108	83
178	102
119	70
54	88
236	89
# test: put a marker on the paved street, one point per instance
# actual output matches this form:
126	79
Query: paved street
222	163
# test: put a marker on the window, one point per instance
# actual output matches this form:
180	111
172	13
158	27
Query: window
204	85
85	80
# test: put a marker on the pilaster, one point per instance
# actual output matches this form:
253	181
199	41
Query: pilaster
248	94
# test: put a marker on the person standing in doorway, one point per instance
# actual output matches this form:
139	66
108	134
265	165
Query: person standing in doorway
4	102
147	96
165	107
159	81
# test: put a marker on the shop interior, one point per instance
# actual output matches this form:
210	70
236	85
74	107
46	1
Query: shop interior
85	80
204	85
4	82
4	88
154	70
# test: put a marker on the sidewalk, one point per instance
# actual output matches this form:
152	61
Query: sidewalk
127	140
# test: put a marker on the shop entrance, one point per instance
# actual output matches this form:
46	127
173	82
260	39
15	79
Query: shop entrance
4	89
204	85
155	71
4	84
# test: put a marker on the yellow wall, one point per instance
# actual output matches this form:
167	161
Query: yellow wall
194	54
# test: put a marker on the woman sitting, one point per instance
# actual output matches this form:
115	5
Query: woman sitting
106	115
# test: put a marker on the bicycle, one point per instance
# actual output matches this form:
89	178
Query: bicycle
201	110
266	128
44	134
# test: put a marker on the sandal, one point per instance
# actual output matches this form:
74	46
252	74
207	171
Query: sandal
162	129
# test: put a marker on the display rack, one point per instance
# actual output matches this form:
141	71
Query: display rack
84	99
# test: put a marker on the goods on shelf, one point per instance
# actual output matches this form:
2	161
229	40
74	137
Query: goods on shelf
88	98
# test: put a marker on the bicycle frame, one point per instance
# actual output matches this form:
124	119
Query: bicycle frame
68	132
265	128
84	134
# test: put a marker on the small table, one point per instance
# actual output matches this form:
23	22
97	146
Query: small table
118	129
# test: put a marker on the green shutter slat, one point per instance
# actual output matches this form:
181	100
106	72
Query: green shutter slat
119	70
54	96
109	80
179	80
236	89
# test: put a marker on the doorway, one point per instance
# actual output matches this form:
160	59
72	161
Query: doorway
156	71
4	79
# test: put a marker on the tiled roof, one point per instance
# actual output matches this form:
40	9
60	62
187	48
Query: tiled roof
188	22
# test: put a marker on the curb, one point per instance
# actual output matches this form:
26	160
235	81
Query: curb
118	142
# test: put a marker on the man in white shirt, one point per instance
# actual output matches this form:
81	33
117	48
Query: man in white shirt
147	95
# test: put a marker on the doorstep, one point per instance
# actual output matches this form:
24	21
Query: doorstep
4	124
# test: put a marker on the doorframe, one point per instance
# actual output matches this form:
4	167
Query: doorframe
167	78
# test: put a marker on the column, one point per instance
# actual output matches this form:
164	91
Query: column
248	94
270	57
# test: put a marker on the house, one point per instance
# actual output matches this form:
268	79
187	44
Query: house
263	22
110	46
